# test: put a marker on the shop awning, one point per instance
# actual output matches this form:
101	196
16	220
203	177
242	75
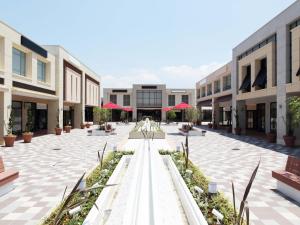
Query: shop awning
225	98
298	73
166	109
204	103
127	109
246	83
183	105
261	78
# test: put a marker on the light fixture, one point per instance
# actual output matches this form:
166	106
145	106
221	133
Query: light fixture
212	188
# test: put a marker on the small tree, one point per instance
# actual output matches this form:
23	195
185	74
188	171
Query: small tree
191	115
237	118
101	115
123	116
10	124
57	119
293	114
29	123
171	115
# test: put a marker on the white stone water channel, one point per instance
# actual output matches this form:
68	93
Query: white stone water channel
146	194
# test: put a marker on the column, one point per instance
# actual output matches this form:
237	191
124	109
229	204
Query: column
241	110
54	110
267	117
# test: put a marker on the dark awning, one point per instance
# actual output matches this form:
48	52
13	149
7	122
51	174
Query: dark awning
246	83
298	73
261	78
205	103
225	98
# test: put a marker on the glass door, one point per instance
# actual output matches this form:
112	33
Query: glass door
17	114
261	117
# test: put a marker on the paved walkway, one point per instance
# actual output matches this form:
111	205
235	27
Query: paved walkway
225	158
46	166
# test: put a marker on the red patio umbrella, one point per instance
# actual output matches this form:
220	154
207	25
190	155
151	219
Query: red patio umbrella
183	105
127	109
166	109
111	105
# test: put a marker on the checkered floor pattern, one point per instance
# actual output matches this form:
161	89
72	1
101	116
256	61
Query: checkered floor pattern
225	158
46	166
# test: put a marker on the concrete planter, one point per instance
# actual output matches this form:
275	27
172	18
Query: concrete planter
9	140
27	137
154	135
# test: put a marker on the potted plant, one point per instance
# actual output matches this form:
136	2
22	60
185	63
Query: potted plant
10	138
293	120
58	129
68	127
191	115
271	136
82	125
27	135
214	125
237	129
210	125
229	129
87	125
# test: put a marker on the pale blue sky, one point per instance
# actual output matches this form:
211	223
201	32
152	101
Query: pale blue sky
135	41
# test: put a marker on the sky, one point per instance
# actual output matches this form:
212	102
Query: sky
175	42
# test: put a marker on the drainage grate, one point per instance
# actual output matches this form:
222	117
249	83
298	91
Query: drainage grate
236	149
56	149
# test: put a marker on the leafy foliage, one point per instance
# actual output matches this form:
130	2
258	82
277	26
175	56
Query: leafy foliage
192	115
29	123
171	115
237	118
293	114
101	115
123	115
10	124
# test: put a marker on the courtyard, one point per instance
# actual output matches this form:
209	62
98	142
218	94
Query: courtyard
50	163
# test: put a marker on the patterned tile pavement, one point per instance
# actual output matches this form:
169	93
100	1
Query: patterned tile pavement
46	166
225	158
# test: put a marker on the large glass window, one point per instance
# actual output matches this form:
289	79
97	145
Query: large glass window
126	100
17	113
203	92
209	91
217	86
113	99
19	62
171	100
41	71
185	99
227	83
149	98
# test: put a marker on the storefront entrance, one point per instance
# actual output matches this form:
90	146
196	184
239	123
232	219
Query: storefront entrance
256	119
68	116
155	114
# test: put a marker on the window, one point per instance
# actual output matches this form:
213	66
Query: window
185	99
246	85
19	62
113	99
126	100
41	71
149	98
261	78
217	86
203	92
171	100
227	83
209	91
198	93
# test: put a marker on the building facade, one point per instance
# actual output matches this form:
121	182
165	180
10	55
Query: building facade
148	100
265	72
32	78
214	96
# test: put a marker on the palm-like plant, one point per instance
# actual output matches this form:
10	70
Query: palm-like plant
239	219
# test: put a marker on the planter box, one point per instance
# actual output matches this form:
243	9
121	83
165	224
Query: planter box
190	207
105	199
96	132
193	133
139	135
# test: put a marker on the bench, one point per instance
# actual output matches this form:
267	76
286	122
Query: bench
288	180
6	178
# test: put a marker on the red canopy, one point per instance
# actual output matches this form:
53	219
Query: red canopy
111	105
127	109
166	109
183	105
